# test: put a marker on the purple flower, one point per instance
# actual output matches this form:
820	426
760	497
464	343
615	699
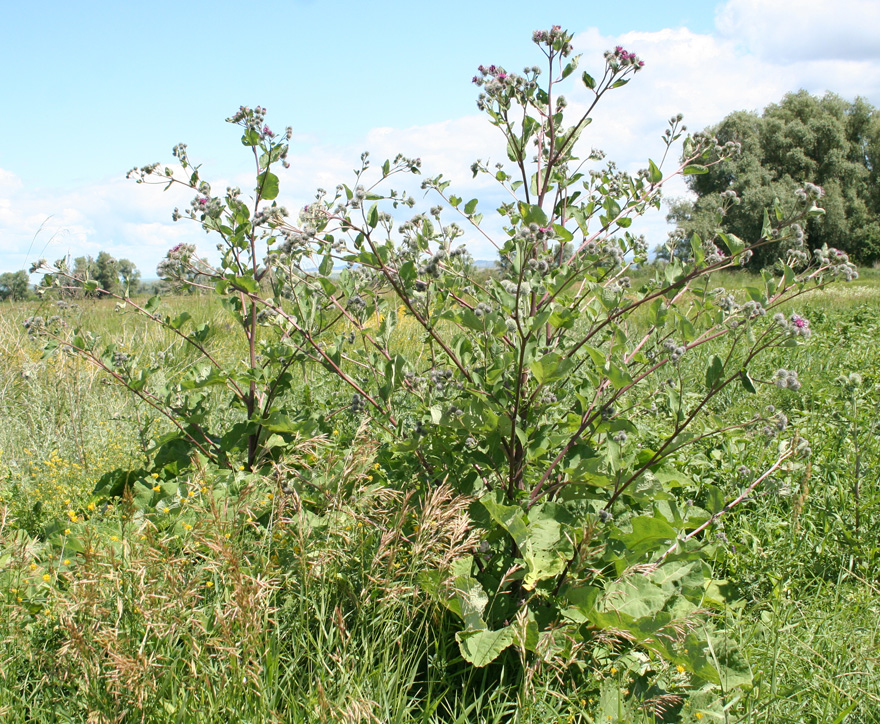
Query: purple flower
799	322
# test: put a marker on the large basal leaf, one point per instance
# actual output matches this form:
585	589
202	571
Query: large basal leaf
483	647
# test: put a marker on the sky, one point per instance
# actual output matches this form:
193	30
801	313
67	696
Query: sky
93	89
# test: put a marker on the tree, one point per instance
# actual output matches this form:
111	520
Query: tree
107	272
826	141
129	275
14	285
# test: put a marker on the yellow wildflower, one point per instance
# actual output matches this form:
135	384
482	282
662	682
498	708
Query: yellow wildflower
47	577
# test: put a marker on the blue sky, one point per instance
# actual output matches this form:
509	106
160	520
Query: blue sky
99	87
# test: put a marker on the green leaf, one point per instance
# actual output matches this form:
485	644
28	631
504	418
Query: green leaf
733	243
747	382
588	80
267	185
654	173
510	517
250	138
373	216
326	265
532	214
483	647
470	206
152	304
694	168
714	371
648	534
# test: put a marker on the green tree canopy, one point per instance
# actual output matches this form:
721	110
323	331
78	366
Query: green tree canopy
14	285
804	138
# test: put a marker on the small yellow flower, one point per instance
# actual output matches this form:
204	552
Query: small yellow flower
154	475
91	506
226	535
34	566
47	577
270	496
187	526
209	584
203	489
166	509
137	609
157	488
336	432
613	670
698	715
679	669
67	531
241	467
114	537
376	466
191	494
67	561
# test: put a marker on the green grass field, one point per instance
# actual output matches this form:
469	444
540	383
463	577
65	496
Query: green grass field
238	603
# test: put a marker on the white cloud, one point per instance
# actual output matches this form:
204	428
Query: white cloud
792	31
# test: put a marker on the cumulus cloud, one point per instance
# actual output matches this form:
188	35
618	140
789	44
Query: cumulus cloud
792	31
116	216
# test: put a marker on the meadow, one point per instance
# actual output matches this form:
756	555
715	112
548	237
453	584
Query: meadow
238	598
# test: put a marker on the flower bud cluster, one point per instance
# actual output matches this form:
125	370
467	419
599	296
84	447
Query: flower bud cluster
272	215
810	192
838	261
140	173
432	267
786	379
498	84
730	197
482	309
712	254
753	309
620	58
357	405
794	326
850	381
676	351
555	37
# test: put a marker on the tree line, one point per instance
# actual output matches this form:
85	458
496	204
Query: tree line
111	274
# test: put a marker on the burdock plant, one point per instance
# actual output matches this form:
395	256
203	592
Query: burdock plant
556	392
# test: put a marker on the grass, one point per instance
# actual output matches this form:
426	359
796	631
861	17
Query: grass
241	605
